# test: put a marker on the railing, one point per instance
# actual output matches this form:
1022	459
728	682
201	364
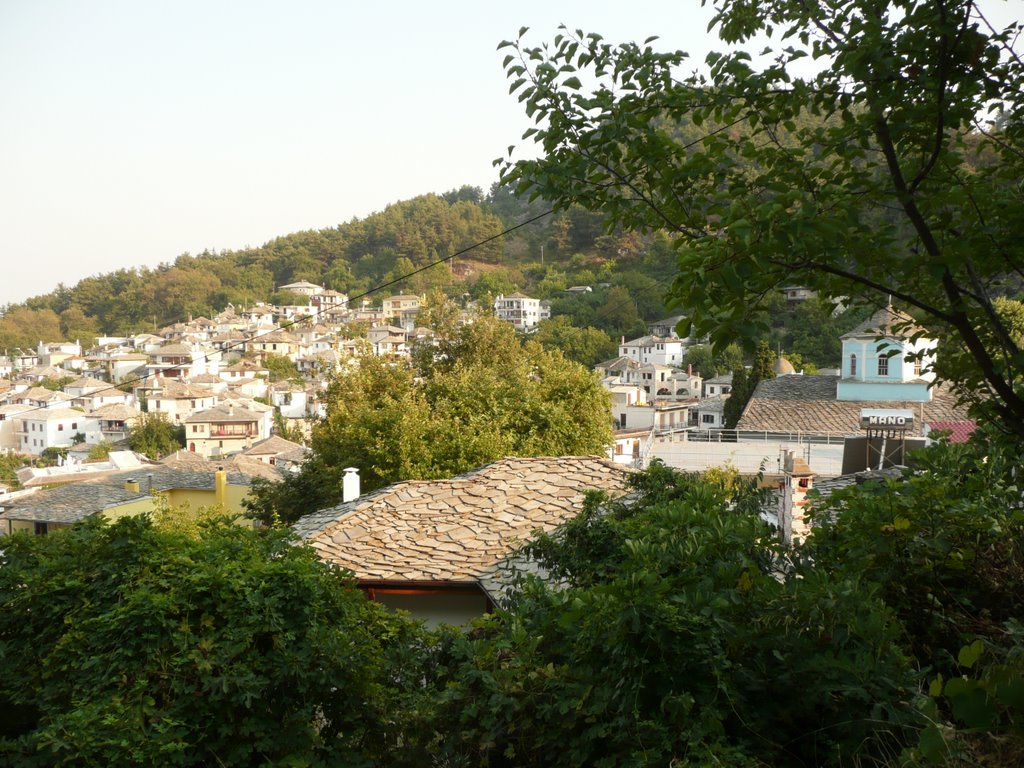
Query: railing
232	433
697	435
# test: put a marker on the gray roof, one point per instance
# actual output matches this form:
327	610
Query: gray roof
809	404
888	321
221	414
70	503
456	530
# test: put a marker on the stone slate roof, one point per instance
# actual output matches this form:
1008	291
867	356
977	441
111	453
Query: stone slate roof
887	321
116	412
222	414
455	531
274	445
70	503
809	404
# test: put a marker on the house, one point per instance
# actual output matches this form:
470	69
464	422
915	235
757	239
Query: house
718	385
279	343
278	452
521	310
183	361
303	288
11	440
115	420
41	397
289	399
54	428
403	308
709	413
178	482
886	365
243	369
432	547
666	327
809	405
660	350
91	393
628	446
887	357
63	506
328	302
796	294
222	430
176	399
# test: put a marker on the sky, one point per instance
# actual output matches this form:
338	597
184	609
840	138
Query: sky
132	132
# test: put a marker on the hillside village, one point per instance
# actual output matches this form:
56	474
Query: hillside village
212	379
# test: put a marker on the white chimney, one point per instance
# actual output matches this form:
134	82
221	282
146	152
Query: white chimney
350	485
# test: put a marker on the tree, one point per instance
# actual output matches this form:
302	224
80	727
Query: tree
281	368
154	436
128	643
487	395
877	176
739	395
764	364
667	635
585	346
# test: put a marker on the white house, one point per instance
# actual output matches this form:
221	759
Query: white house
222	431
521	310
660	350
882	360
303	288
55	428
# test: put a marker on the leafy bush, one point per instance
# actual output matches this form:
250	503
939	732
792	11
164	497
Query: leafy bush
125	644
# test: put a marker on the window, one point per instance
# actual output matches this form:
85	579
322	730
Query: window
883	365
195	427
853	365
917	369
707	418
60	427
74	425
41	529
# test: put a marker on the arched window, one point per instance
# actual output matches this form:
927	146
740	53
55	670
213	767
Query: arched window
853	365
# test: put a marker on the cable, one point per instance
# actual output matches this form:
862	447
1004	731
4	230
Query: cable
306	318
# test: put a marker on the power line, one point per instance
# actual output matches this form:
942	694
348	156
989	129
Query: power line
307	318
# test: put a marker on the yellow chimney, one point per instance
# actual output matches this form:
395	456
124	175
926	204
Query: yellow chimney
221	488
131	485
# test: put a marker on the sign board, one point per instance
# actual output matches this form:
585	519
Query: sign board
890	419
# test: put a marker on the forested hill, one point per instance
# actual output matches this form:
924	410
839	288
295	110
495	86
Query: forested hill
351	257
629	276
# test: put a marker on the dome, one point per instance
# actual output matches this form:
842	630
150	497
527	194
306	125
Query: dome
783	367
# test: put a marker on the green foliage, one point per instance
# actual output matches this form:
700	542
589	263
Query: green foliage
154	436
56	385
945	544
24	327
488	395
128	644
281	368
586	346
710	364
10	463
738	398
875	176
672	639
100	451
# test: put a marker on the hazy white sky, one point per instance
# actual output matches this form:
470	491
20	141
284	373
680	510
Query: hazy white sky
133	131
